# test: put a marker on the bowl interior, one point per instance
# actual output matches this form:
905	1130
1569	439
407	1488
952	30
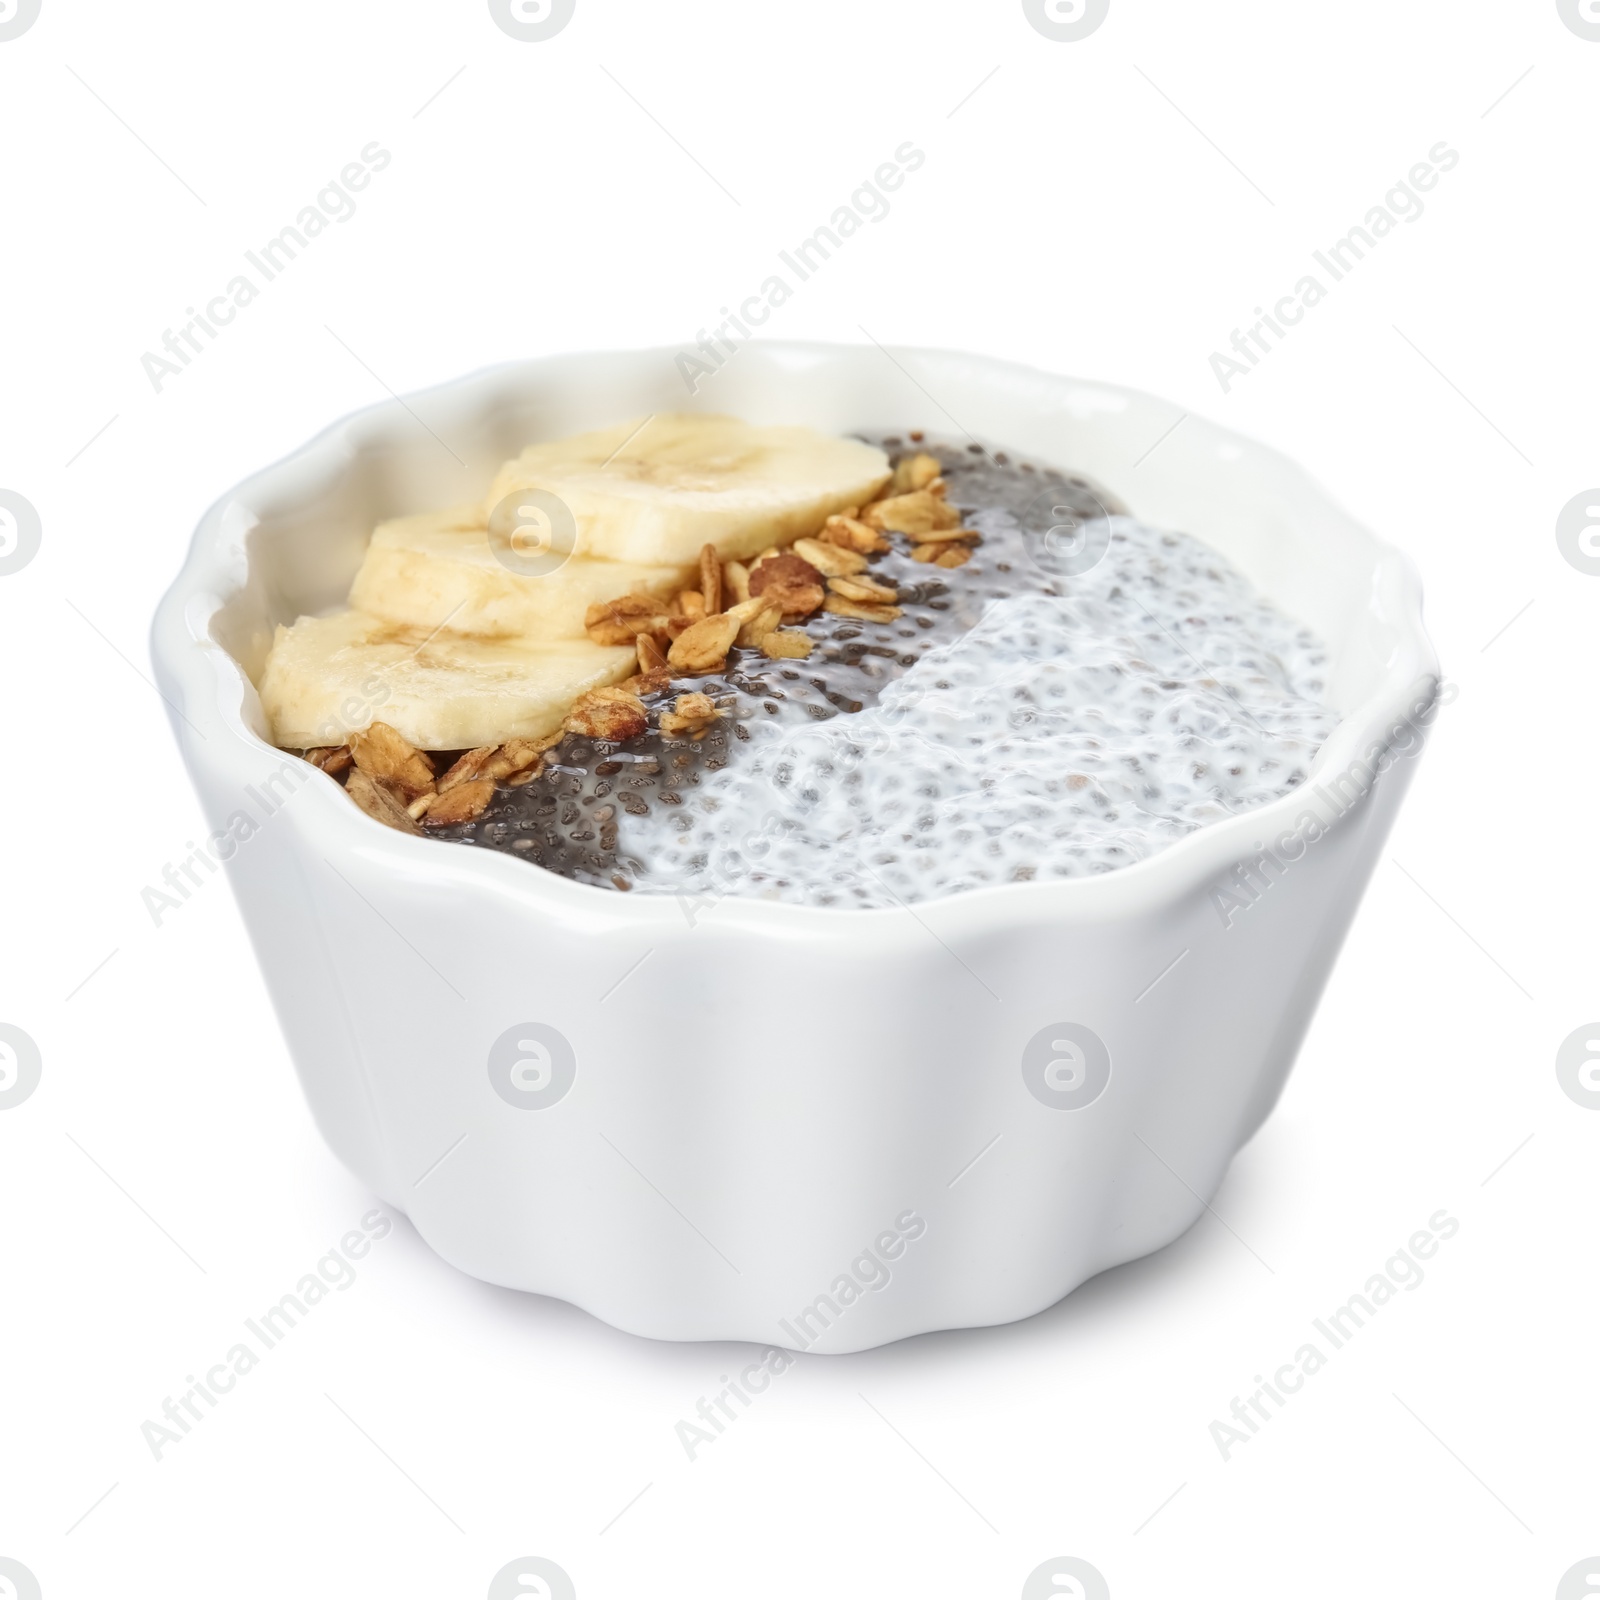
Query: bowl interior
296	532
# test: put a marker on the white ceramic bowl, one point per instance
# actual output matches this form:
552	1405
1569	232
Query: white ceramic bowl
803	1127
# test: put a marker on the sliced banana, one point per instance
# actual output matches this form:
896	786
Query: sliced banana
467	627
443	569
656	490
328	677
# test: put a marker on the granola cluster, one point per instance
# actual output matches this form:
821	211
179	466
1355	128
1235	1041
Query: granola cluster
691	633
681	636
401	786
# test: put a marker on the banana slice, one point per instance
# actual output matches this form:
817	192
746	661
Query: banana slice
327	677
656	491
443	569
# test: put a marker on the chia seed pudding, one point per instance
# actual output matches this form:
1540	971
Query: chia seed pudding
1082	693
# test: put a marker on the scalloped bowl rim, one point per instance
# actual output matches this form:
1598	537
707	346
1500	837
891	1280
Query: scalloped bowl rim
214	567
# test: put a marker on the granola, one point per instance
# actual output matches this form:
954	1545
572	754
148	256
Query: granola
611	714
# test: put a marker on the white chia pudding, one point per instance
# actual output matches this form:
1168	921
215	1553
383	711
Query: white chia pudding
1085	691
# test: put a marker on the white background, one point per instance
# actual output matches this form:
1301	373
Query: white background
421	1429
